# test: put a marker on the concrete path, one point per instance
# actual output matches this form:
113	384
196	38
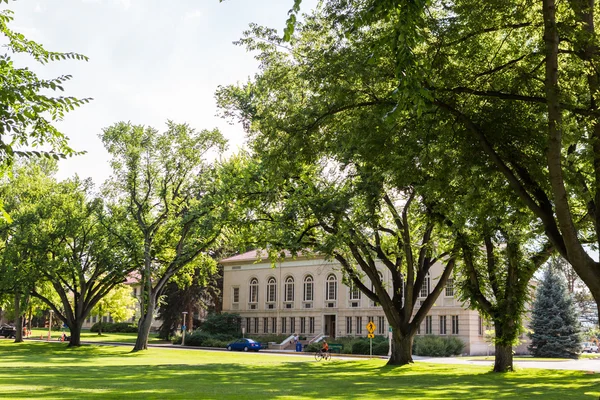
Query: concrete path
584	364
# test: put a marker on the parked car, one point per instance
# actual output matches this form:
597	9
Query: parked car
589	347
8	331
245	345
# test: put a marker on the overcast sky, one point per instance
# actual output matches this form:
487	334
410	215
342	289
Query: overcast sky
150	61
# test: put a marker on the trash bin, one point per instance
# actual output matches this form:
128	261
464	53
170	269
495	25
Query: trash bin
298	346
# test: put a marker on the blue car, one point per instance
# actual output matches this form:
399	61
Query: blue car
245	345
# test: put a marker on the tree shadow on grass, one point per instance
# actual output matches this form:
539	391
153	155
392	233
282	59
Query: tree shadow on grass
255	377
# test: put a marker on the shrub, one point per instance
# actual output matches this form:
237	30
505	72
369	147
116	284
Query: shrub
381	348
360	347
114	327
224	323
437	346
204	339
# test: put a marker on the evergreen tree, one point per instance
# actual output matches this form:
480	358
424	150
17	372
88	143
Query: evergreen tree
556	329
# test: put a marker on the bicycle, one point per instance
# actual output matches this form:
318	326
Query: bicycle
320	355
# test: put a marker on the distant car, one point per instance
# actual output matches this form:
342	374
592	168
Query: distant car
244	345
589	347
8	331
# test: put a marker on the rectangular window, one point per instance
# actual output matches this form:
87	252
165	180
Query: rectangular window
308	289
480	327
283	324
370	319
331	293
419	329
292	325
428	325
455	324
265	325
354	292
236	294
348	325
255	325
87	321
424	292
450	287
380	325
273	325
442	324
311	324
302	324
248	326
94	319
359	325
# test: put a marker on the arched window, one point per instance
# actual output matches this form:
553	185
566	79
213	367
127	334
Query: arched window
331	289
289	289
309	288
424	292
253	291
271	290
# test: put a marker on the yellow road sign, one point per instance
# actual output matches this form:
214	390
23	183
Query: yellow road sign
371	327
371	336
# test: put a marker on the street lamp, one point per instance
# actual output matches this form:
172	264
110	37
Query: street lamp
50	324
183	327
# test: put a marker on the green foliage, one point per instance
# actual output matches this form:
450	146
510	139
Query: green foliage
438	346
205	339
555	327
27	113
114	327
224	323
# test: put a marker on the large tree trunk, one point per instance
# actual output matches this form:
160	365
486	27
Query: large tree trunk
75	328
504	358
505	334
401	349
144	326
18	318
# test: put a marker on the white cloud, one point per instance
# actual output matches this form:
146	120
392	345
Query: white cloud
38	8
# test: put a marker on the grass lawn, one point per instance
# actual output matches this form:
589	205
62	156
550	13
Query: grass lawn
87	336
43	370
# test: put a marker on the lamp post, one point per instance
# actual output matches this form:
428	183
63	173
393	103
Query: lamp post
50	324
183	327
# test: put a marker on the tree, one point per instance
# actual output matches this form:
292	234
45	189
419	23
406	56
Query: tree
74	253
27	112
168	192
119	303
29	184
186	292
554	322
352	215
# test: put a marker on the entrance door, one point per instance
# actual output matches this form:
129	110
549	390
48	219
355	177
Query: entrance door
330	326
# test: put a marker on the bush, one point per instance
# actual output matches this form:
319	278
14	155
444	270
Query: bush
114	327
204	339
381	348
437	346
224	323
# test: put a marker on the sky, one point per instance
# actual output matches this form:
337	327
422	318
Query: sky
149	61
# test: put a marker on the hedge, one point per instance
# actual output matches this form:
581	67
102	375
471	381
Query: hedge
114	327
437	346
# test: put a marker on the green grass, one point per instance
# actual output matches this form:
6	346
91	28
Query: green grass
52	371
87	336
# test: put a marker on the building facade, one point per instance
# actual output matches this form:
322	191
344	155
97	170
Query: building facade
306	295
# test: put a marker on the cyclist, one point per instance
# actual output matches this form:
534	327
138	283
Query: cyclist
325	348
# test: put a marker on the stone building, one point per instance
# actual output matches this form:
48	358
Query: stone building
306	295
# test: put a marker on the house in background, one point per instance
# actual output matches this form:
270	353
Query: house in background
306	295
